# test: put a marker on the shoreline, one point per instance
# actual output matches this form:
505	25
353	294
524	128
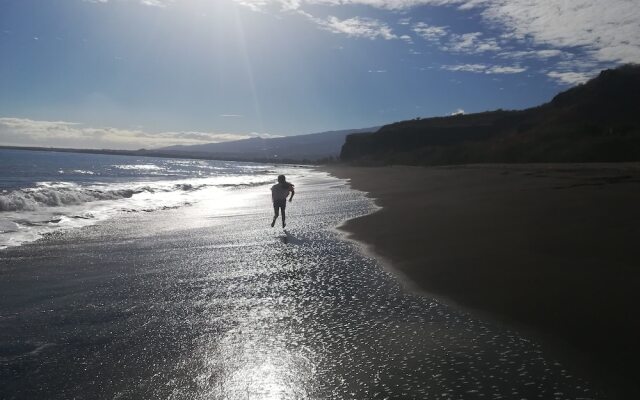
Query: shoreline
211	291
547	249
148	301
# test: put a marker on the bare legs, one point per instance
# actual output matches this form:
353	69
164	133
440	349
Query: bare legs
283	217
276	210
275	215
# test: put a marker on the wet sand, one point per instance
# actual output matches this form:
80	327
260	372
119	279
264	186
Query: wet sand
210	302
552	248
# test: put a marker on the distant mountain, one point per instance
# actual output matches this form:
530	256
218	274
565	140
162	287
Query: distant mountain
596	121
310	147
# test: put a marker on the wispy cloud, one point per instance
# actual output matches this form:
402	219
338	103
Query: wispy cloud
478	68
485	69
359	27
431	33
535	54
499	69
570	78
154	3
602	32
256	5
231	115
264	135
384	4
607	32
470	43
28	132
406	38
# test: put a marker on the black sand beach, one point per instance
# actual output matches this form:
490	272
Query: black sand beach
552	248
209	302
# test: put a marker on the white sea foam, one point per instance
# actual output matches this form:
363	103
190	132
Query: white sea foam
52	195
29	213
145	167
8	226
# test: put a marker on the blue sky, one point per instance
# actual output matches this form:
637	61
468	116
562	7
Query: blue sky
149	73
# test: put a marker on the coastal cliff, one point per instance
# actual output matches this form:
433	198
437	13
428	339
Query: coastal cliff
594	122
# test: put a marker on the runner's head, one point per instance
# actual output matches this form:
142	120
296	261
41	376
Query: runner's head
281	179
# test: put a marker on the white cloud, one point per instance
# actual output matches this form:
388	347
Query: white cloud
497	69
394	5
478	68
485	69
570	78
430	32
608	29
255	5
28	132
607	32
538	54
570	72
387	4
459	111
470	43
154	3
359	27
264	135
407	39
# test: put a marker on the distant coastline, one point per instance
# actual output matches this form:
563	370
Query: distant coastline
594	122
156	153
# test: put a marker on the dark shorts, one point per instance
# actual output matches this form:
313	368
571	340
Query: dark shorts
280	203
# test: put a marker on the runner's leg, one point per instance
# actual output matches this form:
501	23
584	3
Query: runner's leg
283	216
275	215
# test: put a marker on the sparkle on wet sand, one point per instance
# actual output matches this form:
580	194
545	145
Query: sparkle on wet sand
210	302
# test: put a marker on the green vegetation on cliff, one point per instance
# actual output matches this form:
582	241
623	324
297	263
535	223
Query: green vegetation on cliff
596	121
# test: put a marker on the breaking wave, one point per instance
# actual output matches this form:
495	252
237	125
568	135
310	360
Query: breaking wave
57	195
27	214
46	192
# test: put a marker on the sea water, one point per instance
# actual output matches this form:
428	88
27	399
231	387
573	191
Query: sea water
200	298
44	192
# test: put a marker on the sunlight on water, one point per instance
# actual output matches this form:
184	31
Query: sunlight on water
259	358
209	302
61	192
266	370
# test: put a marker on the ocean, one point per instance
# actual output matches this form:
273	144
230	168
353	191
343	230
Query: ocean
143	278
46	192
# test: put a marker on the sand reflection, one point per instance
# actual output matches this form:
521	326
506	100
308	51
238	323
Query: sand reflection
261	357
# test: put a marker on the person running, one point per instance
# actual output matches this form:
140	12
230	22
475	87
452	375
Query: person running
279	193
